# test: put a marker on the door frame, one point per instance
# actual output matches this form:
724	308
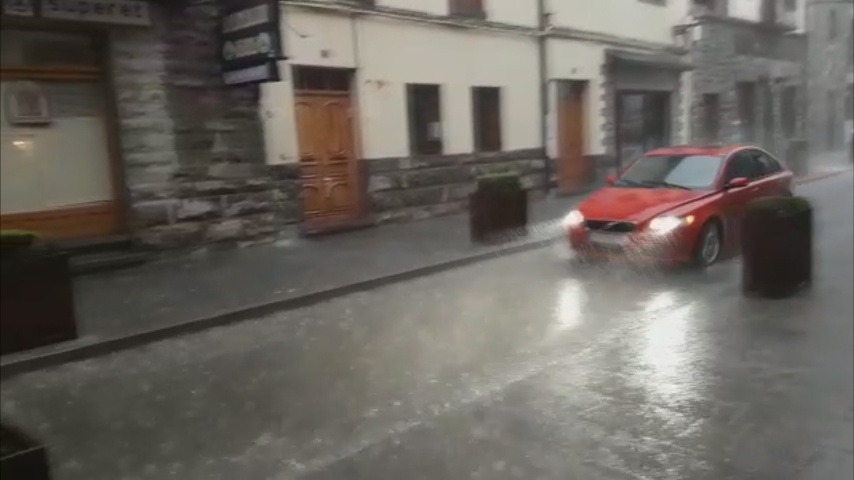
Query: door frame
117	210
356	168
565	88
618	103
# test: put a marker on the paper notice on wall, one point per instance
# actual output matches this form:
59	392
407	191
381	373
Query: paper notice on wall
434	130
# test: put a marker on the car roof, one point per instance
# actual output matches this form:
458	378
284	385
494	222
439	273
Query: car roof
710	150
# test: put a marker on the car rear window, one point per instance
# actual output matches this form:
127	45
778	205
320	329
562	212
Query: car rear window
697	172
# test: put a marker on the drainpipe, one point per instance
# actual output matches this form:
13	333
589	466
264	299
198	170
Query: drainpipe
542	24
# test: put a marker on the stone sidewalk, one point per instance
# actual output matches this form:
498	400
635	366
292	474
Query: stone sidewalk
187	288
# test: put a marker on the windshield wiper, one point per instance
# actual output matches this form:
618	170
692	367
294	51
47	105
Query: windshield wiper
667	185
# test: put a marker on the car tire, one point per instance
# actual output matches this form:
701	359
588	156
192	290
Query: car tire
709	245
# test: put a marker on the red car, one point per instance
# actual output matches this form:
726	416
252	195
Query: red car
677	204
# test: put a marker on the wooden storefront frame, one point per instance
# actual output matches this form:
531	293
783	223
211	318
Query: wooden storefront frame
98	219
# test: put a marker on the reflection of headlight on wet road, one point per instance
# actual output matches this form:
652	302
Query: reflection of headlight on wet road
665	225
574	219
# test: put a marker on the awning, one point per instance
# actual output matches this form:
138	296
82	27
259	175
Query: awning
651	60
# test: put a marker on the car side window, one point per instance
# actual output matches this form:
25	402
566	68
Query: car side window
740	165
756	169
769	164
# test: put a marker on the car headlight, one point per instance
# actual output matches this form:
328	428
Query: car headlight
573	219
663	225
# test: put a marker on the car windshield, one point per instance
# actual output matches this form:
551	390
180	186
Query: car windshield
689	172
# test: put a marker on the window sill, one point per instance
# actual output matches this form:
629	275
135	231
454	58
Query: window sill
471	15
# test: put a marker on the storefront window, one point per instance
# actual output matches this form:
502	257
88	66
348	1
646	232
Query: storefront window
54	143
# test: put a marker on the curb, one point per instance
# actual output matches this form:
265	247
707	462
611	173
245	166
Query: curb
819	176
80	352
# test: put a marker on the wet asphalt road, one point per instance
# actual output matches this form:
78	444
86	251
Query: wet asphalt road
527	367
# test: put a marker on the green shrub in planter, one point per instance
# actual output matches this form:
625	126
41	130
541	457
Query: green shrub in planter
17	239
780	205
777	246
500	182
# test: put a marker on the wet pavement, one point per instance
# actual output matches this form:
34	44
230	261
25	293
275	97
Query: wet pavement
529	366
210	283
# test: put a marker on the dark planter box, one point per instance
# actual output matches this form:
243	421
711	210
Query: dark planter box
777	252
36	300
495	213
22	458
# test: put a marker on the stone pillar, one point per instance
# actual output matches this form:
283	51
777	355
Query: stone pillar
193	149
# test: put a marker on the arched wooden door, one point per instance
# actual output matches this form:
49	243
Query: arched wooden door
327	159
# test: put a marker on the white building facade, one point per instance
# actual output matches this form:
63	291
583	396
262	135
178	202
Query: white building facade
392	108
621	65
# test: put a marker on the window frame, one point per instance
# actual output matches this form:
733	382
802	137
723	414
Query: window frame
421	146
831	24
478	142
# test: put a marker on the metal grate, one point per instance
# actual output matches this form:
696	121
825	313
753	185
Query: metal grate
610	226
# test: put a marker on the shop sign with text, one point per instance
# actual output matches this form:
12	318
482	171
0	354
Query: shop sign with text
111	12
250	42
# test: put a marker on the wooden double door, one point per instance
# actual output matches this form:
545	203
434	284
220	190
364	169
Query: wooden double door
326	132
328	173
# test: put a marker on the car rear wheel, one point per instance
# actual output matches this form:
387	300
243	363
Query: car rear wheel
708	248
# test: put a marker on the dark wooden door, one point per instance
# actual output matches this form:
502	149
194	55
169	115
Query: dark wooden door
768	116
572	169
746	99
327	163
711	117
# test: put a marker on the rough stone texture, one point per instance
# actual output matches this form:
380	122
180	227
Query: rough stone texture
776	56
192	148
408	188
830	69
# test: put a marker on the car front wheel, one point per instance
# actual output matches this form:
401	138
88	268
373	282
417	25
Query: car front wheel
709	246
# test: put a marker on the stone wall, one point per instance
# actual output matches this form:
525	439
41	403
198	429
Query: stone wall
730	52
829	69
407	188
192	148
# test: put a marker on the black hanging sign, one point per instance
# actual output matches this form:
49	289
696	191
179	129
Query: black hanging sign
250	41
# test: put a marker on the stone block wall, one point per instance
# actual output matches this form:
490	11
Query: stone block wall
830	66
405	188
720	67
192	149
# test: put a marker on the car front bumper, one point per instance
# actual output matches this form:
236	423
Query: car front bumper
675	247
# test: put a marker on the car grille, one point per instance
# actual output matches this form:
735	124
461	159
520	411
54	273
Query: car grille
609	226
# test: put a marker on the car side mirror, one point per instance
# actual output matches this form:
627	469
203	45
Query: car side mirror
738	182
611	179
